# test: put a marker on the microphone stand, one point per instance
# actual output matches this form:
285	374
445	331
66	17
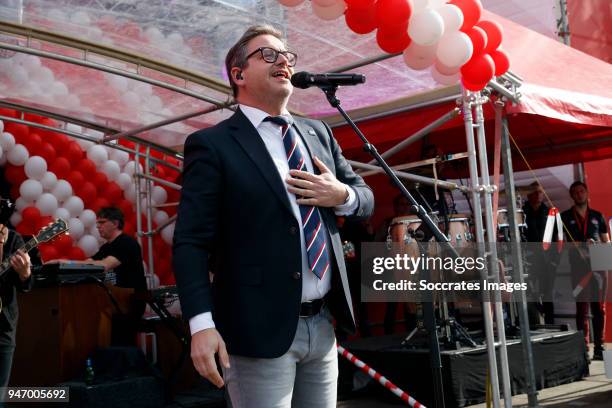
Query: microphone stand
330	93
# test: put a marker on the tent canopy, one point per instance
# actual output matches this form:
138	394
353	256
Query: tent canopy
121	66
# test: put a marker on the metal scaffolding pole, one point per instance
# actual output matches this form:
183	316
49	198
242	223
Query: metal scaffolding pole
468	100
149	234
491	238
138	203
517	269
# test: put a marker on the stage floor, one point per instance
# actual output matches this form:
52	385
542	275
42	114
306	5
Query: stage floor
559	358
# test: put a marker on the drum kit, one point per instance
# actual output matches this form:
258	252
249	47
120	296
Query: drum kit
405	232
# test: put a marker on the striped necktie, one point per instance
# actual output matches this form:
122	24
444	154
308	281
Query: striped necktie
315	238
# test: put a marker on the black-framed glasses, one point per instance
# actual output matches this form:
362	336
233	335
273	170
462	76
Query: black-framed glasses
270	55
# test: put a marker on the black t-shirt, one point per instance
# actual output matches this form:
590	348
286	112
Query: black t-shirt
536	222
578	231
130	274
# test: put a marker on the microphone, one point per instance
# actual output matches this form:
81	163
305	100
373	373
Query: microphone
305	79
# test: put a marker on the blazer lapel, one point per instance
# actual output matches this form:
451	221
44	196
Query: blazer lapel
246	135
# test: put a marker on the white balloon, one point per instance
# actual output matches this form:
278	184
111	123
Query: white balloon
445	79
7	141
143	89
454	49
74	205
43	76
85	144
62	190
452	17
3	160
76	228
58	88
62	213
47	204
130	168
130	98
130	194
89	245
329	13
88	217
119	156
418	56
168	233
159	195
160	217
1	127
97	154
176	38
36	167
30	190
154	103
117	82
18	156
81	17
154	35
434	4
124	180
30	62
15	218
419	5
111	169
48	181
1	152
18	76
93	231
22	203
426	27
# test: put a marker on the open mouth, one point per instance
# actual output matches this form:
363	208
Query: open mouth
281	74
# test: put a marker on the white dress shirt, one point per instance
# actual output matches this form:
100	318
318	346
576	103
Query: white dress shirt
312	287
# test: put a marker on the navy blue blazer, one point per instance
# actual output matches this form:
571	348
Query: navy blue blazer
235	220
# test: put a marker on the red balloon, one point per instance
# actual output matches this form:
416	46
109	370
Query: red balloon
100	181
99	203
43	222
59	141
30	216
478	36
359	4
87	191
32	142
126	207
73	152
494	34
478	70
393	40
87	168
47	152
48	252
501	60
392	12
63	243
9	112
360	21
19	131
471	9
61	167
129	229
76	179
473	87
14	192
113	192
76	253
25	229
14	174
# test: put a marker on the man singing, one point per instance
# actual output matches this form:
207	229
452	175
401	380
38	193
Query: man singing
261	191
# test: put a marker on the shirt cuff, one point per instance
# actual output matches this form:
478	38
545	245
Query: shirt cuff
201	322
350	205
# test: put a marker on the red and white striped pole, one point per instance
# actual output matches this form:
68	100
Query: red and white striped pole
381	379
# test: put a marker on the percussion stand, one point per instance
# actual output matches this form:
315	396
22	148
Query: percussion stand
330	93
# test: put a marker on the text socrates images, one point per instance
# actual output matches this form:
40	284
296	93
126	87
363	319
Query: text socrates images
424	271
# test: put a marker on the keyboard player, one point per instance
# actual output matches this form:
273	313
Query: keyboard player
121	254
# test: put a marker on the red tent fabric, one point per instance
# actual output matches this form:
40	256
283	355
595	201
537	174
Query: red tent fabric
565	114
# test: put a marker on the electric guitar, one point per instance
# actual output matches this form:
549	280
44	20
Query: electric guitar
46	234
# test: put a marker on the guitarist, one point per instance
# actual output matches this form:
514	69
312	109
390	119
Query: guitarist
19	277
